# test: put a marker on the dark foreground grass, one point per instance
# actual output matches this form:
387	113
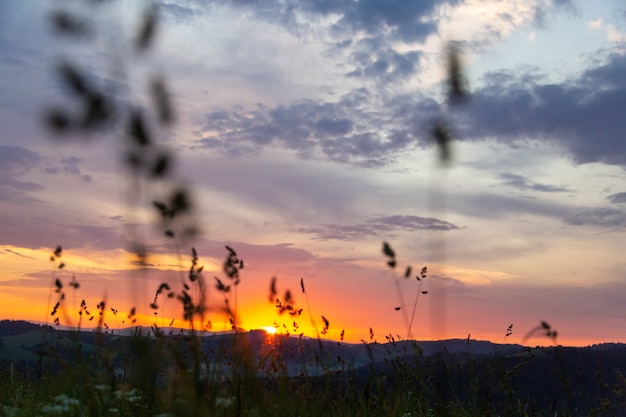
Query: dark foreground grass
442	386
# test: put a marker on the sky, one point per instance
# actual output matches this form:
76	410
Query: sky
302	134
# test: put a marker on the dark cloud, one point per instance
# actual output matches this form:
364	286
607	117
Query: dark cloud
406	20
385	65
266	255
15	162
350	130
382	22
547	9
15	197
31	231
72	169
377	227
370	28
494	206
497	206
599	216
452	285
339	232
522	183
412	223
12	252
617	198
15	159
26	186
176	12
584	115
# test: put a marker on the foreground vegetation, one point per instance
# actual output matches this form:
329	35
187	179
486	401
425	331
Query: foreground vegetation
256	374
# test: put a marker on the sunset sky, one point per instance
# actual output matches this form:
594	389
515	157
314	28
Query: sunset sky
302	132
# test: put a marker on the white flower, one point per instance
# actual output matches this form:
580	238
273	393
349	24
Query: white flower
224	402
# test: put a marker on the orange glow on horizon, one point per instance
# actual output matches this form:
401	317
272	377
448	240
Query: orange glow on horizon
269	329
27	284
19	305
18	261
21	310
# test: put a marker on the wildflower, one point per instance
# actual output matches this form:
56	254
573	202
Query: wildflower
63	405
224	402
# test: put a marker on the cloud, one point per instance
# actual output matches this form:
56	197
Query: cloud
522	183
176	12
398	20
20	185
546	9
72	169
404	17
384	40
595	24
407	21
339	232
377	227
385	65
369	32
257	254
617	198
22	229
412	223
16	162
367	126
615	35
599	216
355	129
479	24
584	116
502	206
452	285
5	251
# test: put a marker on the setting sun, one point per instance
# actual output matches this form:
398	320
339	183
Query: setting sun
270	329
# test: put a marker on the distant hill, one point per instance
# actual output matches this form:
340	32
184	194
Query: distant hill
298	353
16	327
259	337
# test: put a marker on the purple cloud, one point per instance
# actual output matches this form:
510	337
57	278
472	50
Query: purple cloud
378	226
584	115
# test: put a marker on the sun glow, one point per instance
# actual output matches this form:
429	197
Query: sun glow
270	329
